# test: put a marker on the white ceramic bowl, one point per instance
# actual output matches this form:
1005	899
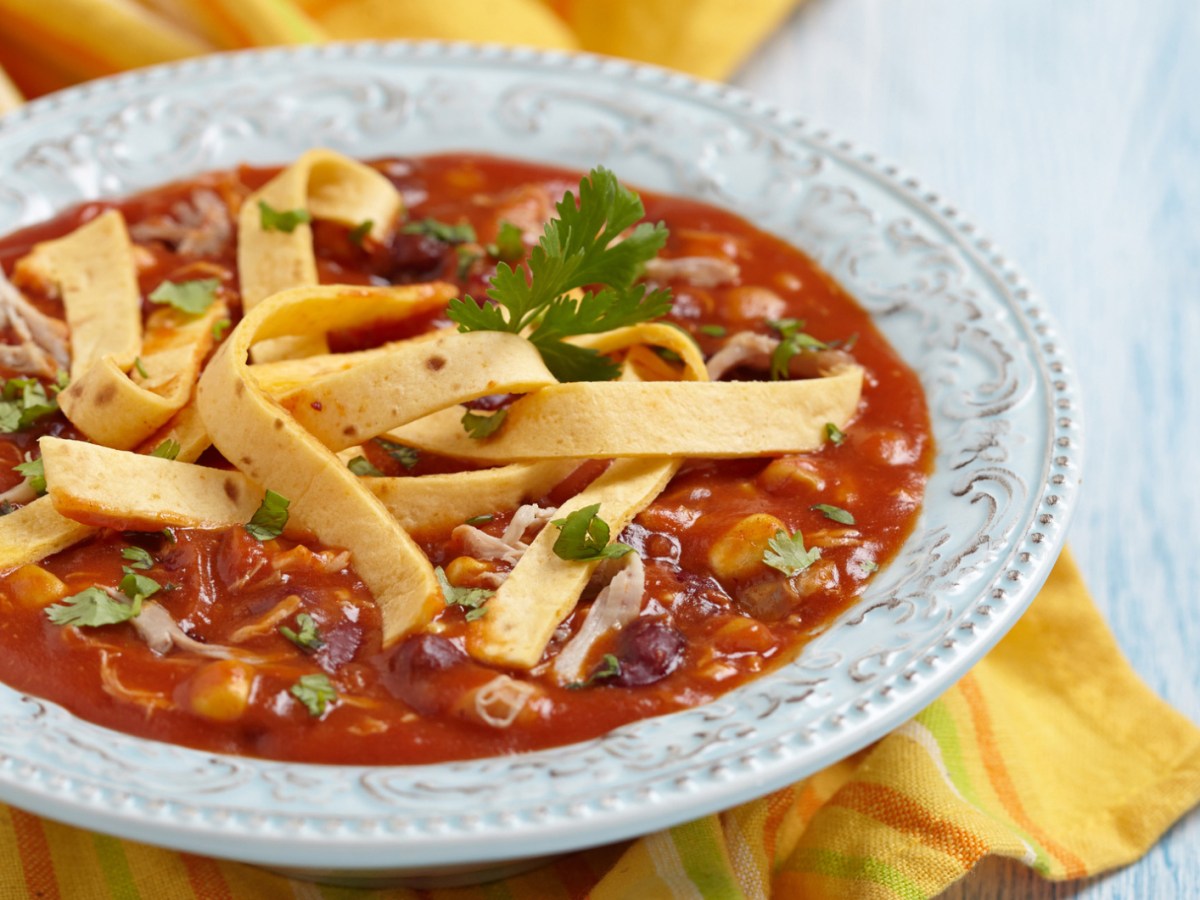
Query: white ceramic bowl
1005	414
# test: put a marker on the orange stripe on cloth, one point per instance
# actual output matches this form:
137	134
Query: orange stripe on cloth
901	812
997	772
205	878
35	856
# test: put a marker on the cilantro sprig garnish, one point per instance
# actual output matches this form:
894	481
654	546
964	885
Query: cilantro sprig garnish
462	233
94	607
509	245
470	599
284	220
834	513
608	669
406	456
191	297
168	449
316	692
34	471
583	535
309	635
479	426
139	558
791	341
24	401
835	434
578	250
270	518
787	554
363	467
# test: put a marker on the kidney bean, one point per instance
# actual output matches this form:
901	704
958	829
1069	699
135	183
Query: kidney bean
649	650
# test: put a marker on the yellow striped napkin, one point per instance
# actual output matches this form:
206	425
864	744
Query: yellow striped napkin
1040	754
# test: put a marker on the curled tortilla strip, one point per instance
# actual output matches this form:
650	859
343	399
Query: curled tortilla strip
413	379
120	411
583	420
131	492
108	488
329	186
259	436
96	274
542	589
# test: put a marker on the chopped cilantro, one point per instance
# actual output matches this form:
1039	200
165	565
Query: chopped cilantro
168	449
191	297
281	220
138	558
462	233
467	257
716	331
315	692
471	599
577	250
35	473
583	535
480	427
406	456
137	587
510	244
360	465
791	341
141	369
359	232
92	608
169	535
479	520
220	327
836	513
308	637
835	434
24	400
787	554
270	518
609	668
6	508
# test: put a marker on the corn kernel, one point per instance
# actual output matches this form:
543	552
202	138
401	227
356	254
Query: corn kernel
34	586
465	570
742	635
753	304
221	690
791	471
739	551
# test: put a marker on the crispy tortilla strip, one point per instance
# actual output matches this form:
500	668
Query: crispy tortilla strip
97	486
95	272
187	429
542	589
584	420
35	531
259	436
413	379
109	488
117	410
329	186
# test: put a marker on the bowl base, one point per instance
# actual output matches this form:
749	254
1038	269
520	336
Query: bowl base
423	878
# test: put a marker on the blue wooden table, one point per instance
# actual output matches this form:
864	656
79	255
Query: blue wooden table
1070	132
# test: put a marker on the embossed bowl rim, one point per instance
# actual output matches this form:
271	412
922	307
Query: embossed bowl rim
545	822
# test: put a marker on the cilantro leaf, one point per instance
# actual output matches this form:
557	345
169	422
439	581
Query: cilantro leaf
835	513
191	297
138	557
471	599
835	434
792	341
308	637
141	369
273	219
510	243
787	554
91	608
362	466
717	331
35	473
479	427
359	232
466	259
577	250
220	327
609	668
461	233
137	587
583	535
479	520
315	692
406	456
24	401
168	449
270	518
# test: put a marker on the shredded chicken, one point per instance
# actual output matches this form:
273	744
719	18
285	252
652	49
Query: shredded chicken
112	685
155	626
19	494
753	350
200	227
509	547
615	607
698	271
42	340
501	700
526	516
529	207
284	609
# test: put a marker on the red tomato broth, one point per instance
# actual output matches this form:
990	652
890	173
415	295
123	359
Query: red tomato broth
222	580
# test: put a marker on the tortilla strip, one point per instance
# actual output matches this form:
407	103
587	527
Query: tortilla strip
542	589
109	488
587	420
35	531
131	492
273	450
116	410
413	379
95	272
330	186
